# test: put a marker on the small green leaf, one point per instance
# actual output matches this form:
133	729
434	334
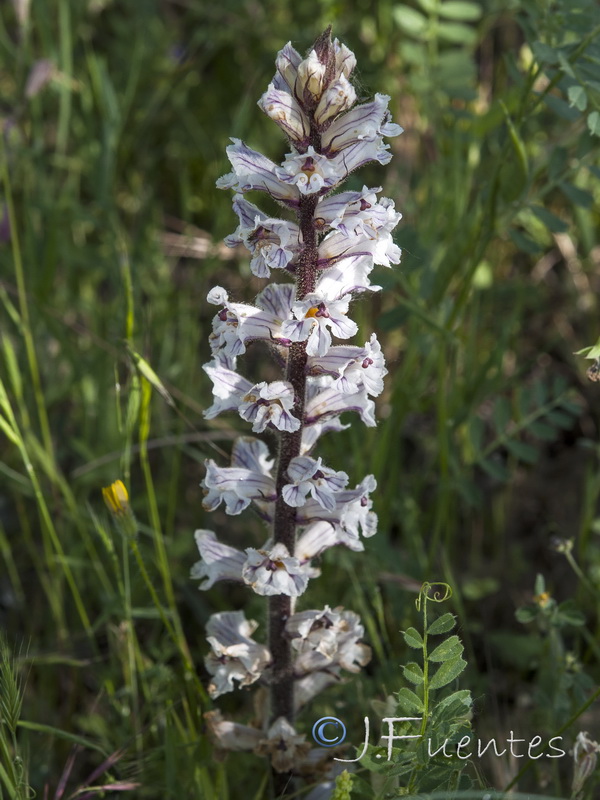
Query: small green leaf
494	468
413	673
523	451
442	624
462	696
501	414
526	614
479	588
564	64
568	614
590	352
463	11
579	197
524	243
561	419
561	107
539	586
456	33
593	123
540	393
447	672
542	431
550	220
577	97
413	638
148	373
409	20
408	701
544	53
449	648
476	431
430	6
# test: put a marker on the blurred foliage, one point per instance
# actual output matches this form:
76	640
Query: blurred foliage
115	118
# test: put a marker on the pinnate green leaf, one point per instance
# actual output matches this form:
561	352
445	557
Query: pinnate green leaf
447	672
593	123
409	20
408	701
550	220
442	624
413	638
578	97
577	196
457	9
413	673
569	614
456	33
523	451
526	614
449	648
454	705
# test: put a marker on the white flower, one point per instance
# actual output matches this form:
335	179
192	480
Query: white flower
309	476
328	638
272	242
349	276
315	317
274	572
238	323
361	237
229	388
364	124
252	170
351	516
229	735
219	561
251	454
310	172
345	211
331	401
312	684
312	433
361	216
236	487
315	539
269	403
283	745
235	656
354	367
277	300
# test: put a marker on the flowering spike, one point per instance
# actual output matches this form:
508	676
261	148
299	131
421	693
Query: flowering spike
329	250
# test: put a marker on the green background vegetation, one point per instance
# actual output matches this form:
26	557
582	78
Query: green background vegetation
115	119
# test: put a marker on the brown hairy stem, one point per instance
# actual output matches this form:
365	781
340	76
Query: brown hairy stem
284	529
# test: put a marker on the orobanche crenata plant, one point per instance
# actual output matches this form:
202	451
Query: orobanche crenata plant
325	255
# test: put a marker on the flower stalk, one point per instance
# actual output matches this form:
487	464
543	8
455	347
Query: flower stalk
328	250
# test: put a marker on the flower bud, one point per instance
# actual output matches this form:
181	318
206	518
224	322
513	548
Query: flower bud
585	756
117	501
339	96
116	498
283	109
311	80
